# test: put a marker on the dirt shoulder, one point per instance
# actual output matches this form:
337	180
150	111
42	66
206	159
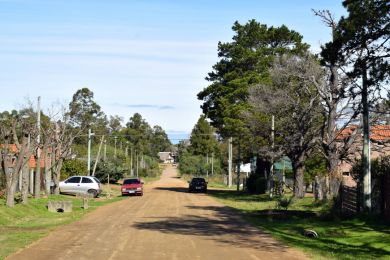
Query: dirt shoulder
166	223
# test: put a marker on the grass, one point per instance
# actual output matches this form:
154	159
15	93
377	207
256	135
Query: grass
357	238
23	224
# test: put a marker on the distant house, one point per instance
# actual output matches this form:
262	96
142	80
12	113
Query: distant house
379	146
166	157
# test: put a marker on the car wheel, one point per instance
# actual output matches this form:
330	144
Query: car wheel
93	193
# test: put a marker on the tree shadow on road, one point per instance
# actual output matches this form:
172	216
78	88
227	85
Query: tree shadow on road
175	189
217	223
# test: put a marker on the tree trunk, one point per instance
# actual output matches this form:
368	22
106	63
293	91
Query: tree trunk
56	176
25	182
11	187
37	183
11	195
299	184
366	144
48	178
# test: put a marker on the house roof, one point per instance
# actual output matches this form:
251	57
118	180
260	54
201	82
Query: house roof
380	132
165	156
377	132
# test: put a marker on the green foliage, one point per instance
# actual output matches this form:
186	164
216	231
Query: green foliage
284	202
139	133
203	141
196	165
314	166
192	164
256	184
151	167
351	239
243	62
84	112
72	168
379	167
159	141
114	169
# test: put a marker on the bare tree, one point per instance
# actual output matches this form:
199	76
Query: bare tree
294	101
18	146
59	137
340	109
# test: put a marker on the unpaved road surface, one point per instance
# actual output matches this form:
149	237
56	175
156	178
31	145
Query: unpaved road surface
166	223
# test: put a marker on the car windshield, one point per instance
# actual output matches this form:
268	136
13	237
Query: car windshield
131	181
198	180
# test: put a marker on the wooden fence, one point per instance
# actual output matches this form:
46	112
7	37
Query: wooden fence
349	200
386	196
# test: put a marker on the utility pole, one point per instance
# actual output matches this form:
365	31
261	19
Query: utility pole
239	165
37	183
115	137
212	163
105	150
131	162
90	134
366	143
230	148
97	156
136	157
207	165
271	174
127	156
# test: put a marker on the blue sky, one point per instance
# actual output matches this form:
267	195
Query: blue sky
140	56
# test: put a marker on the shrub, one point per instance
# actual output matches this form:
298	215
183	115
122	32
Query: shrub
256	184
72	168
284	202
115	170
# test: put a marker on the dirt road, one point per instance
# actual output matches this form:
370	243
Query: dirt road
166	223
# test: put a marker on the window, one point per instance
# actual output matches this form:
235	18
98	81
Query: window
86	180
74	180
131	181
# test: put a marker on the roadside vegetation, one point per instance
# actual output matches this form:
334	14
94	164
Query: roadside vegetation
364	237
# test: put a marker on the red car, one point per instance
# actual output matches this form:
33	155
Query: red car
133	186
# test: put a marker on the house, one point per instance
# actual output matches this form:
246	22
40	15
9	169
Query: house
166	157
379	147
32	164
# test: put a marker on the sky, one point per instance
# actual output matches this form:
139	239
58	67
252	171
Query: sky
144	56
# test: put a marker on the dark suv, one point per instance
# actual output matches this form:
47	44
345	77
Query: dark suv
197	184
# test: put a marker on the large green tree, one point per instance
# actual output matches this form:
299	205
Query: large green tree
159	141
202	140
84	112
139	133
243	62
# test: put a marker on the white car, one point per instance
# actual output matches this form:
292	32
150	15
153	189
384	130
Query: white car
81	184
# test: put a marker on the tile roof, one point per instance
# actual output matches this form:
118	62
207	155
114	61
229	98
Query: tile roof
377	132
380	132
